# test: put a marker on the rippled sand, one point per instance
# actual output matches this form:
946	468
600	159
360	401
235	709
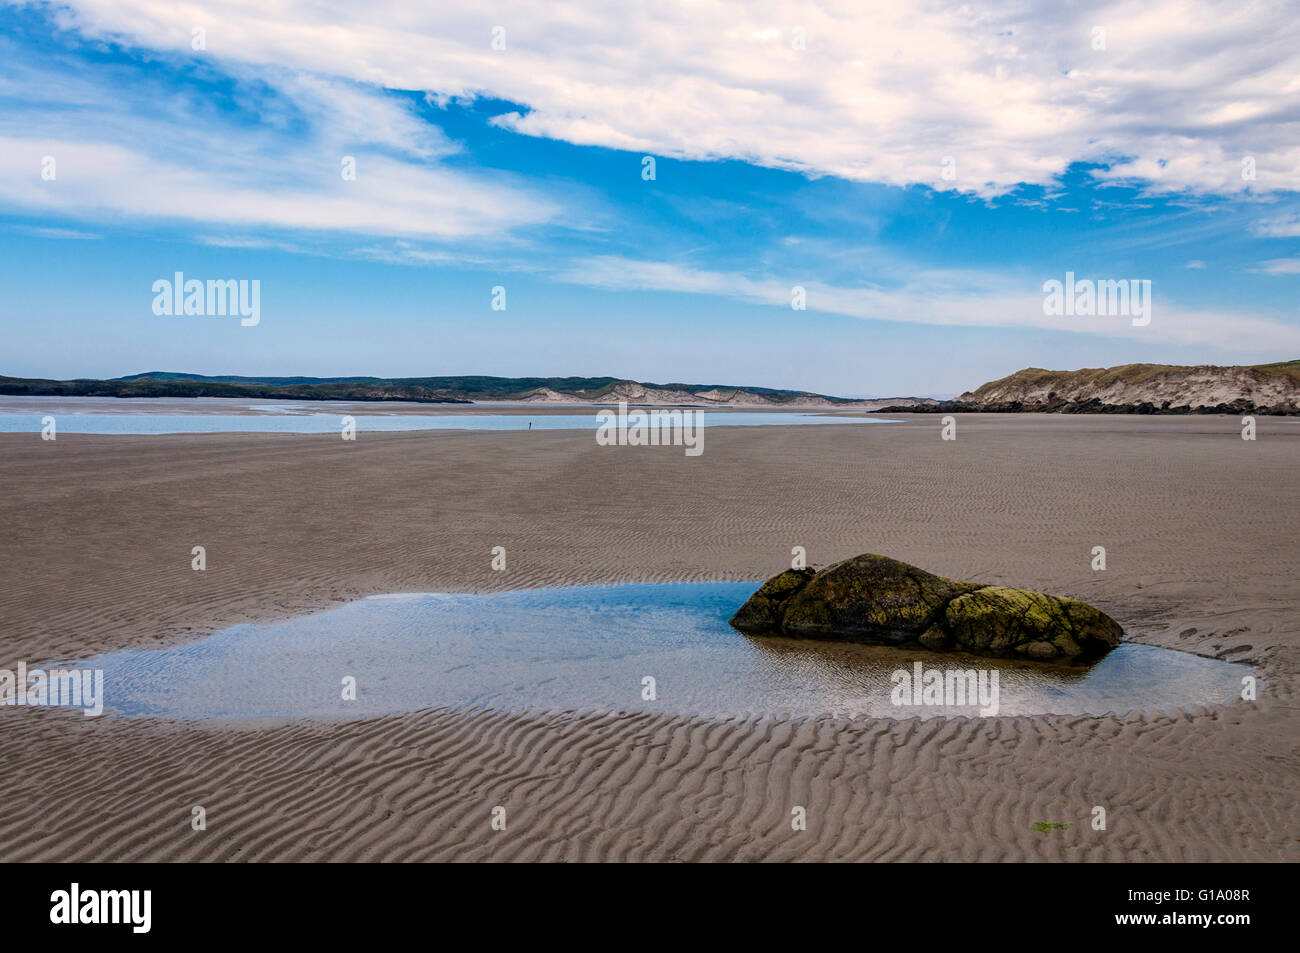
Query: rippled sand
1200	527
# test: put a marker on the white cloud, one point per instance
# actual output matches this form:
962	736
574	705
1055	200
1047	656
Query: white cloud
1283	226
387	197
1183	91
124	144
1279	266
70	234
953	297
254	242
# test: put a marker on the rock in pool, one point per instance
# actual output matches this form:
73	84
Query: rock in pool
880	600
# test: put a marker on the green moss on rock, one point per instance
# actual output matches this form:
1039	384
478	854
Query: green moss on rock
873	596
763	612
999	620
876	599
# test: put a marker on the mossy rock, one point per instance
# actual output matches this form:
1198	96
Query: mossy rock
873	596
763	611
876	599
999	620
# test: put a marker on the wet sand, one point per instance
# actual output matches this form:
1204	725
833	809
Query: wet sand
1201	530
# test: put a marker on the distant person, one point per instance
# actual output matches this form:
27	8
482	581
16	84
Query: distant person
530	425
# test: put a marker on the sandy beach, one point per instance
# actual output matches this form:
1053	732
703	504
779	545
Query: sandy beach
1201	529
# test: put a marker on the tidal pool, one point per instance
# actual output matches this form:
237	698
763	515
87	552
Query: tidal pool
593	648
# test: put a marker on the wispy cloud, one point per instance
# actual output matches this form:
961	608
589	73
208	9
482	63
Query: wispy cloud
1282	226
112	142
253	242
951	297
69	234
1279	266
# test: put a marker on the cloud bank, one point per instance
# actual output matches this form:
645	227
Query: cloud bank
1173	94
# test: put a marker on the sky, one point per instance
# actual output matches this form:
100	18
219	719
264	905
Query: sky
919	171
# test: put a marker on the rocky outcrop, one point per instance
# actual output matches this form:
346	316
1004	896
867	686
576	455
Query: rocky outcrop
1145	388
880	600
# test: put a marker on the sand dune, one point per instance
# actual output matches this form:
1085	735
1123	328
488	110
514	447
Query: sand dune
1200	529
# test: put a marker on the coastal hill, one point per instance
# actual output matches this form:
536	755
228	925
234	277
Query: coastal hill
446	390
1127	389
1145	388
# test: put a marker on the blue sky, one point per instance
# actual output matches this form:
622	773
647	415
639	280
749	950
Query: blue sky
776	166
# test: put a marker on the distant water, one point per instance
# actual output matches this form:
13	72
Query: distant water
593	648
316	422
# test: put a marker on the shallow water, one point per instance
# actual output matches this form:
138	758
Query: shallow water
281	418
591	648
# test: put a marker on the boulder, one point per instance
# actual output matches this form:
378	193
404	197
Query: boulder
880	600
762	613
